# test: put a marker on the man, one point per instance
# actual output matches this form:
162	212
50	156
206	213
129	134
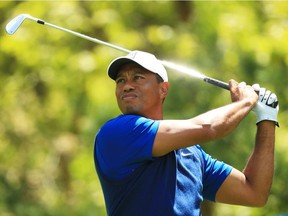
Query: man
150	166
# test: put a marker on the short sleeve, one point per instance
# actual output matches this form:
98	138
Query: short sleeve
215	173
124	143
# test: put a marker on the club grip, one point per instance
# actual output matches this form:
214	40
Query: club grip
216	82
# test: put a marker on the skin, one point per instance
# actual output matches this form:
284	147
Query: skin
138	92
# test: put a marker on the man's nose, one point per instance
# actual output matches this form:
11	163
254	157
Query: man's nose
128	86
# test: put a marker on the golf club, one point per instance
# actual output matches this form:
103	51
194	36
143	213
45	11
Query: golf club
15	23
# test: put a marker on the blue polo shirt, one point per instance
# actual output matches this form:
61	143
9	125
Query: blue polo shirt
135	183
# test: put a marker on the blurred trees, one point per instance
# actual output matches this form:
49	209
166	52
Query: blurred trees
55	94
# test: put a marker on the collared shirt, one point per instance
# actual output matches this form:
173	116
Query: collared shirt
135	183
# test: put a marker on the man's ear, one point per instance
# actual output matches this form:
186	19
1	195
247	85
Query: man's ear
164	88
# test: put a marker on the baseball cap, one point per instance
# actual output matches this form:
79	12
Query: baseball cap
144	59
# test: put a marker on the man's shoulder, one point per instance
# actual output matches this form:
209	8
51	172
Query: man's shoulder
124	125
126	121
124	118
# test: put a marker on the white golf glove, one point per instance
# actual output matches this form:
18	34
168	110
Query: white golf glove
267	106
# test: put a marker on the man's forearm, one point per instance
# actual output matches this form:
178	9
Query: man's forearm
260	167
212	125
224	119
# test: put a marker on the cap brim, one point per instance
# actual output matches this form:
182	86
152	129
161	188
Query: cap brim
115	66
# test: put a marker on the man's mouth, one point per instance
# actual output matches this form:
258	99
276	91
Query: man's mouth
128	97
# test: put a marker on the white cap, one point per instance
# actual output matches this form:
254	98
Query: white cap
144	59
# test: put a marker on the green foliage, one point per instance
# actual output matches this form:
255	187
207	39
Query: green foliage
55	94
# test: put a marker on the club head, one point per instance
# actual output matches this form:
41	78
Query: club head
15	23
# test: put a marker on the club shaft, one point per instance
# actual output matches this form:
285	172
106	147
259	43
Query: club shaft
216	82
95	40
14	24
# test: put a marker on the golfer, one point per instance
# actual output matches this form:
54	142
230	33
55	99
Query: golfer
150	166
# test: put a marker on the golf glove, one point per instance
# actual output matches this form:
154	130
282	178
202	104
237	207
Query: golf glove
267	106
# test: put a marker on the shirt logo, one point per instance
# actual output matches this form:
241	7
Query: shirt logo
184	154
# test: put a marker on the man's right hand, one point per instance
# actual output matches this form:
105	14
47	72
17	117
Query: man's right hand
241	91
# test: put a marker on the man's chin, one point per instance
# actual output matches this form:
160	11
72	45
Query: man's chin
131	111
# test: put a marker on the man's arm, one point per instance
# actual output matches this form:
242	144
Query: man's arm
252	186
212	125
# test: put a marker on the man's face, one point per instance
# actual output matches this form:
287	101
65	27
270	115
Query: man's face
138	91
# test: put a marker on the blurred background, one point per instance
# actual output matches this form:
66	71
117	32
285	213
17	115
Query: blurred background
55	95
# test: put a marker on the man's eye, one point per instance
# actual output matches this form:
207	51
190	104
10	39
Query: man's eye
138	77
120	80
